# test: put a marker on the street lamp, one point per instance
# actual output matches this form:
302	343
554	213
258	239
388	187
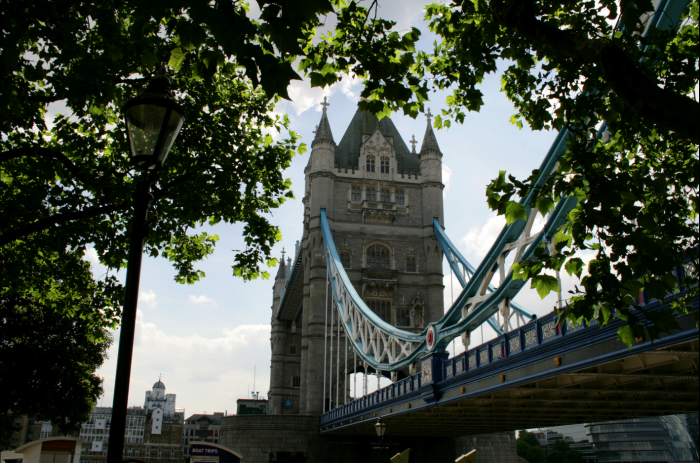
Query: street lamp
153	121
380	428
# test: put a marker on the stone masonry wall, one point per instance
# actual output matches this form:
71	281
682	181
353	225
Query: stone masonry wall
272	438
490	448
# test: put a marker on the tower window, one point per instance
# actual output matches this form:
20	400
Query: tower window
370	163
381	308
385	196
399	197
371	194
403	317
411	264
378	257
384	165
355	196
293	349
345	259
296	381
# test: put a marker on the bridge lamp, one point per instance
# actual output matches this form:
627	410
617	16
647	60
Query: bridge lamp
380	427
153	121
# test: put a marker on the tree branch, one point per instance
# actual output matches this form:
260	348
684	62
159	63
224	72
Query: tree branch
48	222
44	152
662	107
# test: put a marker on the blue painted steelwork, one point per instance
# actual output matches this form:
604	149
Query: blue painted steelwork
449	248
540	339
473	306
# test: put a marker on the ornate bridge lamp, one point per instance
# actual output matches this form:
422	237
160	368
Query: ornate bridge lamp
380	428
153	121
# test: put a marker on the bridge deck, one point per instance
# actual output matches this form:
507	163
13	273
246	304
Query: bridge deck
565	377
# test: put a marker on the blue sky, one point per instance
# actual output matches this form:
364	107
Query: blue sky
207	338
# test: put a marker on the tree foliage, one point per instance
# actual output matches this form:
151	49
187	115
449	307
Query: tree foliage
529	448
66	182
53	335
565	66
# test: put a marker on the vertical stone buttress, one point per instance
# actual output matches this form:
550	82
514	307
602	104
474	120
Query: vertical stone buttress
431	173
321	190
278	337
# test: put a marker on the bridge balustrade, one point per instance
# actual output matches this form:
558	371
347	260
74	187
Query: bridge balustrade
536	333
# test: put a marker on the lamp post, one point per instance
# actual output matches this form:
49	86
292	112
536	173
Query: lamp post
380	428
153	121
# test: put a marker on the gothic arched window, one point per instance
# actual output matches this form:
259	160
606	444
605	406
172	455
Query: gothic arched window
385	196
384	164
345	259
381	308
411	264
355	193
296	381
370	163
371	194
403	317
378	257
399	197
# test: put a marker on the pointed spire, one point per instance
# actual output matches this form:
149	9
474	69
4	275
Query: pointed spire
413	143
323	130
429	141
281	272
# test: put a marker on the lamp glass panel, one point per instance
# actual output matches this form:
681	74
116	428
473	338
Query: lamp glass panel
172	129
380	428
144	122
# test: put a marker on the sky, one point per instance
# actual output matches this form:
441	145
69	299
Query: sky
209	342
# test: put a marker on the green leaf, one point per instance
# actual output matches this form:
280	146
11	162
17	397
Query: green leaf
574	267
544	284
515	211
177	57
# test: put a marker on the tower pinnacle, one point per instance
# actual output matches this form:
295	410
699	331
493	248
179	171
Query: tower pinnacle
323	130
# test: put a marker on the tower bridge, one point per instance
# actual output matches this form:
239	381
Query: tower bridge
363	293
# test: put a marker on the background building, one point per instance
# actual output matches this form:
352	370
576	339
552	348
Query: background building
663	439
201	428
153	432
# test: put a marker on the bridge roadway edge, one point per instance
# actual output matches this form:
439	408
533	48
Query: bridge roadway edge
558	347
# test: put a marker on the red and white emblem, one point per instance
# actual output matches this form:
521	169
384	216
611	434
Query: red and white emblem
431	338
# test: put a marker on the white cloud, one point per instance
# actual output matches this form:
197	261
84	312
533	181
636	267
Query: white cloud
208	371
203	301
148	299
305	97
479	240
446	177
91	256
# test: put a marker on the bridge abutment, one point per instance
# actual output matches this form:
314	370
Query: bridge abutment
295	438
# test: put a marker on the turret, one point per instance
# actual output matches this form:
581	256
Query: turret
431	174
430	155
323	146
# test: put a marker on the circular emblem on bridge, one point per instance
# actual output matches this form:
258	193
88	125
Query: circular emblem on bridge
431	338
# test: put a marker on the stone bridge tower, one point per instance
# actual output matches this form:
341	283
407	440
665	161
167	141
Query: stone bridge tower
380	198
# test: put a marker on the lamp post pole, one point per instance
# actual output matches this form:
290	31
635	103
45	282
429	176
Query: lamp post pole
139	227
153	121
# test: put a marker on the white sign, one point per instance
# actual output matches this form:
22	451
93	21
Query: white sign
100	423
96	446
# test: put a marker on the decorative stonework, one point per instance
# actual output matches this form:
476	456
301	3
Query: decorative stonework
427	371
496	352
459	366
484	357
472	361
549	330
530	338
514	343
448	370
